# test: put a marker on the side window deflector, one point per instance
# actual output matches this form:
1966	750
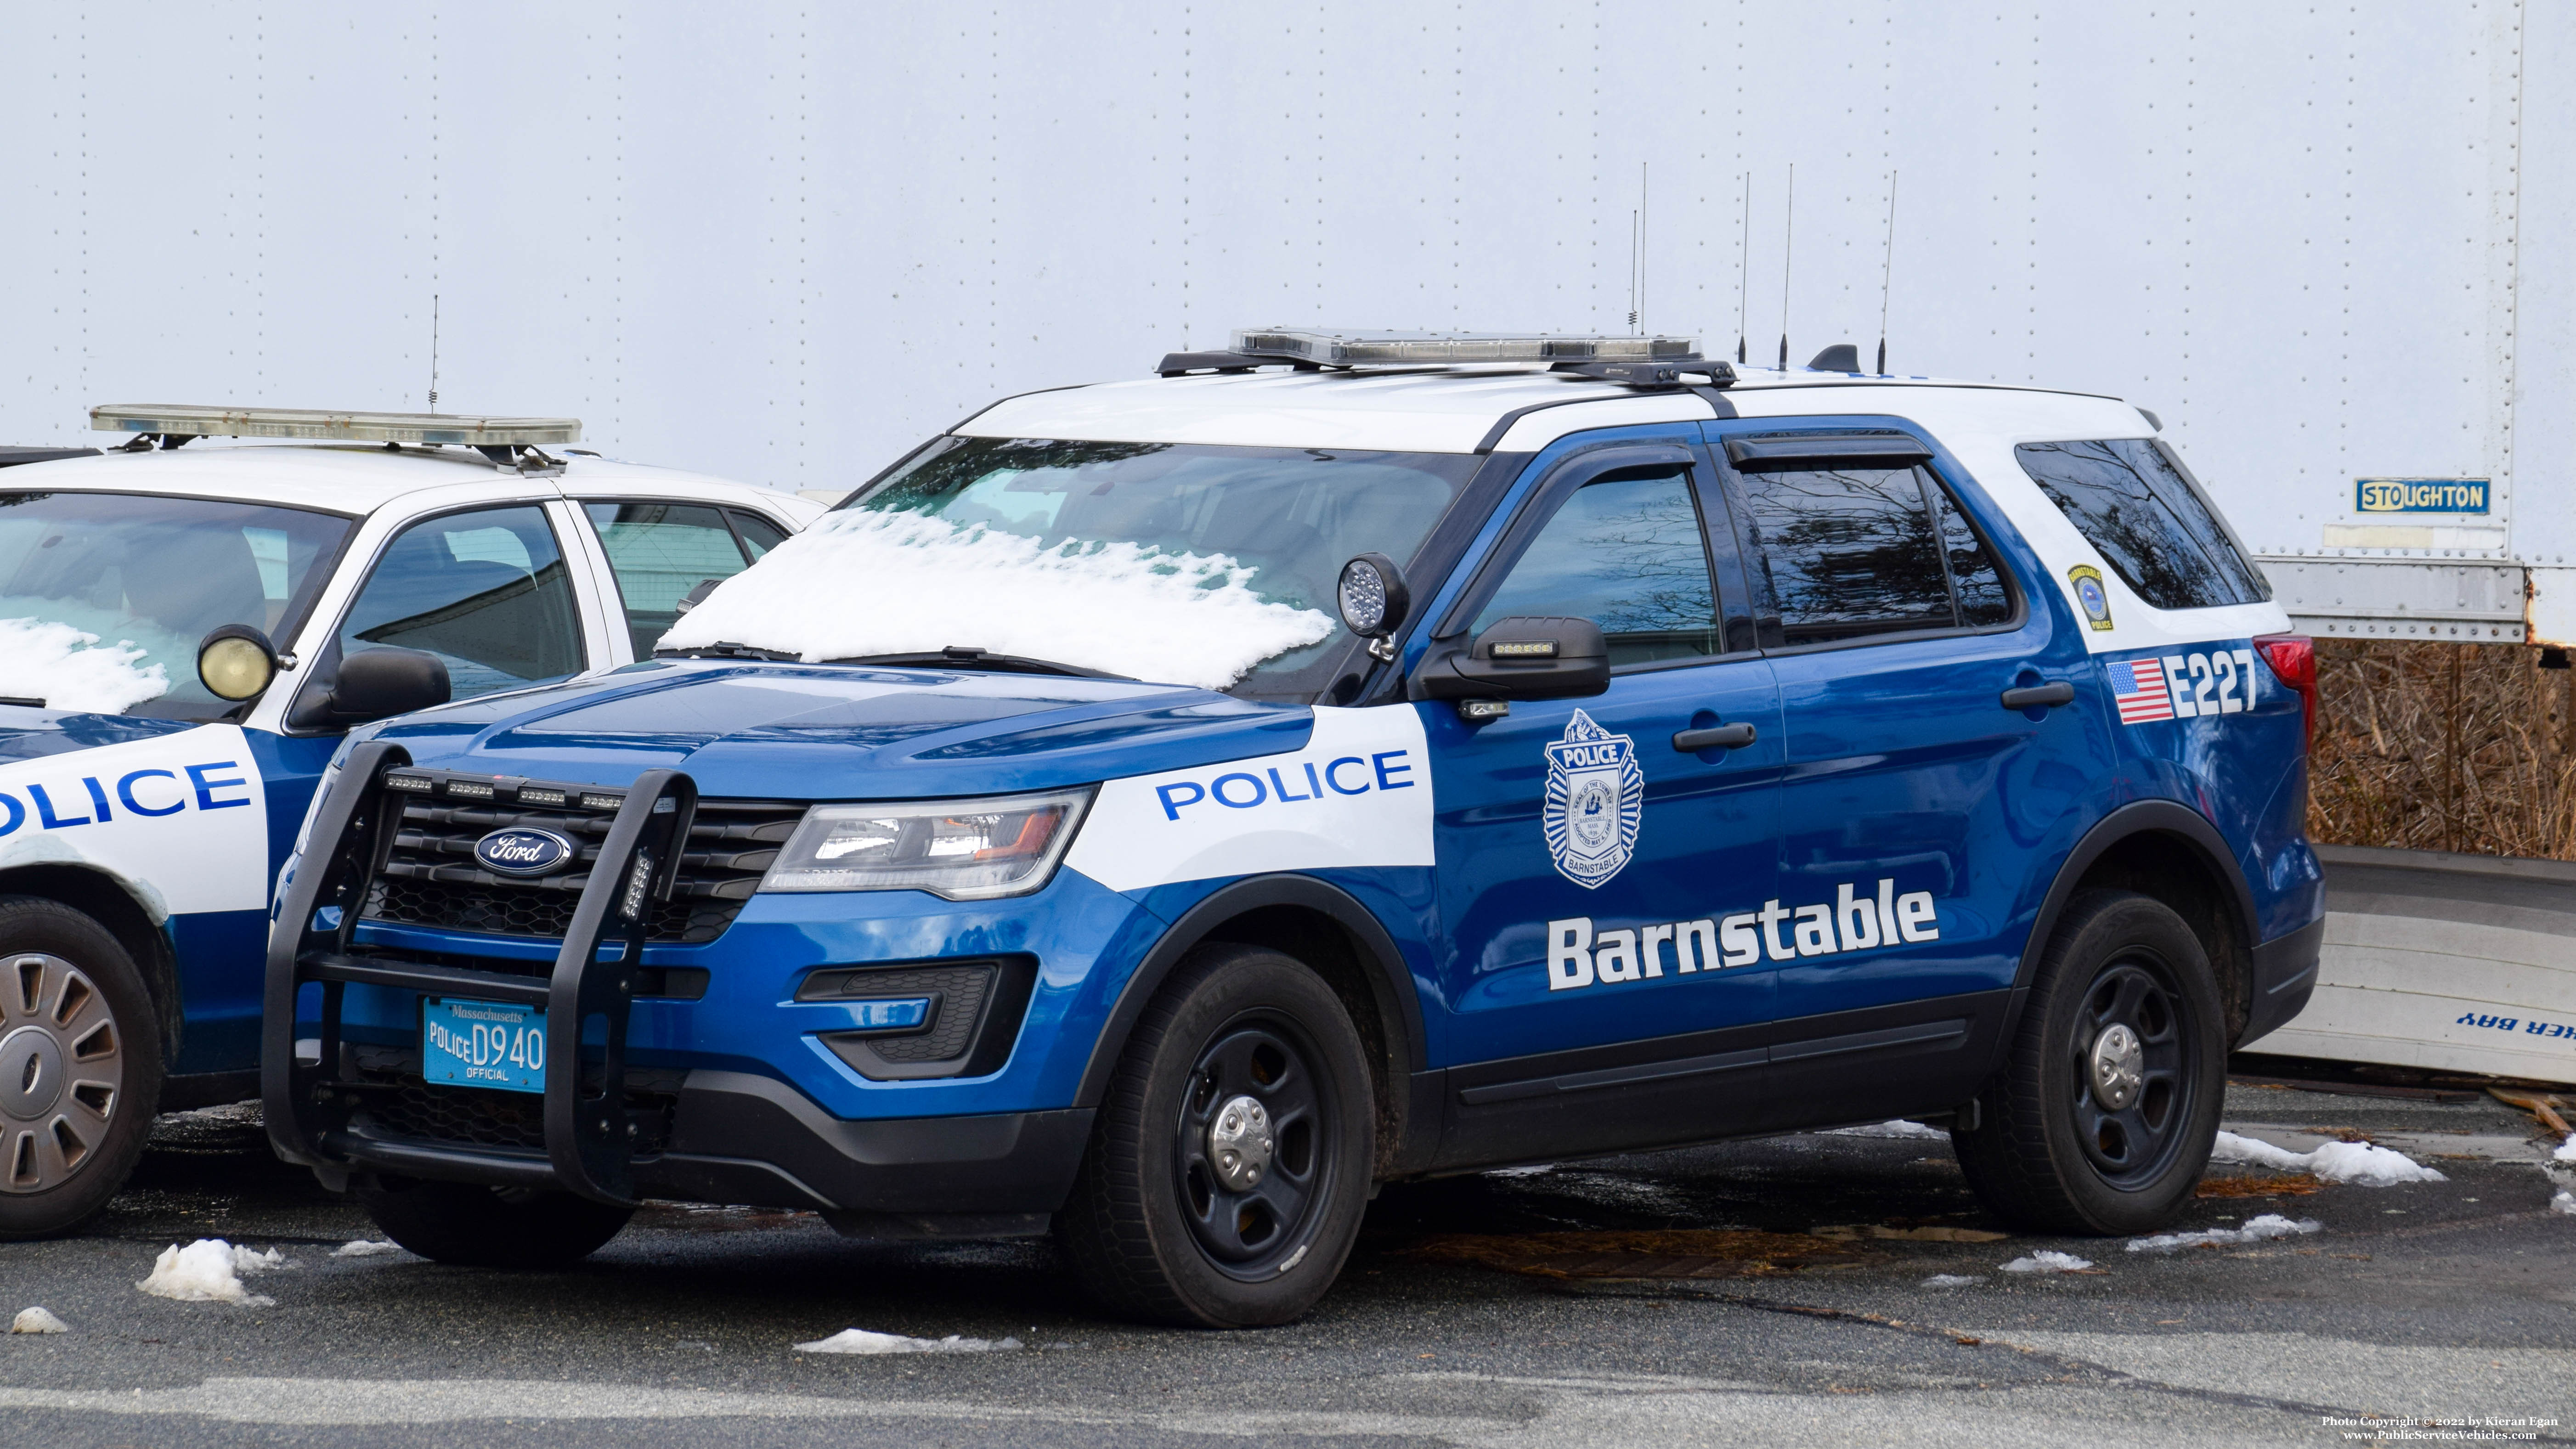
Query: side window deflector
1826	450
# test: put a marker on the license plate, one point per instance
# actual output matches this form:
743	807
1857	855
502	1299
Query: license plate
483	1044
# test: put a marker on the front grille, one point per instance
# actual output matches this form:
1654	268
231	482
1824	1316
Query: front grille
431	877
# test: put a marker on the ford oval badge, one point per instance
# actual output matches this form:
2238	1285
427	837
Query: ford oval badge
524	852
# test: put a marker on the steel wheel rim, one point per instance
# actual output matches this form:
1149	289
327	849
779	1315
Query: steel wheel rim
62	1072
2130	1144
1253	1232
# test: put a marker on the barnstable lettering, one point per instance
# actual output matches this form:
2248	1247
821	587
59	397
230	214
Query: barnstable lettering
1579	955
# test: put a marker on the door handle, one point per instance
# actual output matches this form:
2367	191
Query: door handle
1716	737
2035	696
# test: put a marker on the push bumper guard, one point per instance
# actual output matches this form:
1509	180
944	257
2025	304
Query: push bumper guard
589	1133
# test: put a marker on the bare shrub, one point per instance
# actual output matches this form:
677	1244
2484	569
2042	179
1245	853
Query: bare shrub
2461	747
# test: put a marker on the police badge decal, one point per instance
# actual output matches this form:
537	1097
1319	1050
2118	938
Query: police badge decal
1595	801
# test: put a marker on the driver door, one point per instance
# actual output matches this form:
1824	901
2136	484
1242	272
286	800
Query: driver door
1592	872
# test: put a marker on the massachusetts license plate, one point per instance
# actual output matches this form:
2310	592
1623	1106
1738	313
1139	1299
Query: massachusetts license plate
481	1044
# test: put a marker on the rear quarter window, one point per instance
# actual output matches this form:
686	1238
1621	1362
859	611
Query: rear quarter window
2147	519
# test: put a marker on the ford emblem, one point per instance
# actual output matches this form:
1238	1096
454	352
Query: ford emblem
524	851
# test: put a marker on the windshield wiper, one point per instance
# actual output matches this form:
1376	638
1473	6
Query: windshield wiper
961	657
722	650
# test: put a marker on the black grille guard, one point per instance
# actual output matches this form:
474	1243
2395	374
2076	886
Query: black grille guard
589	1134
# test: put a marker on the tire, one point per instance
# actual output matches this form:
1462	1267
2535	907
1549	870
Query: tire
475	1226
1163	1224
2054	1152
80	1066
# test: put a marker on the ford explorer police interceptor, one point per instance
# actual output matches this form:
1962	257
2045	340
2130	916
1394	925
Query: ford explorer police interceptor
152	775
1022	849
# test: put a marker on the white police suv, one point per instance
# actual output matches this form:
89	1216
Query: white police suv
185	635
1023	848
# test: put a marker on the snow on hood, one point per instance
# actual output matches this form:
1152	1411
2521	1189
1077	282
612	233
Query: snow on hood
71	670
861	583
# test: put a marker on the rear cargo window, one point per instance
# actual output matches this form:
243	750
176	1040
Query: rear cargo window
2131	502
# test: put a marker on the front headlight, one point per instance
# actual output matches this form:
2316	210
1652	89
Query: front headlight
965	850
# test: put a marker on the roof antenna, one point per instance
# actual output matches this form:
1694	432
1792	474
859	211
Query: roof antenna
433	352
1743	272
1637	257
1886	270
1788	224
1633	223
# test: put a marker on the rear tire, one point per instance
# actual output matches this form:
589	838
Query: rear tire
1229	1164
2102	1119
80	1066
475	1226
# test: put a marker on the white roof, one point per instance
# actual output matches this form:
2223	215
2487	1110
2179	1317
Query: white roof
1421	410
359	479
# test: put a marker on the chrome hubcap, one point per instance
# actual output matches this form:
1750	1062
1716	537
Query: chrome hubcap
62	1068
2119	1066
1239	1143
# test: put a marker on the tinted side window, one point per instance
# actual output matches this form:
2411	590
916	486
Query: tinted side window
1983	600
758	533
1845	553
2153	527
660	551
484	591
1627	554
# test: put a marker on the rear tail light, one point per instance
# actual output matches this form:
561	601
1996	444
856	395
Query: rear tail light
2293	658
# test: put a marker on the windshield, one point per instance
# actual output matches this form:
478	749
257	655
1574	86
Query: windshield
1171	562
104	596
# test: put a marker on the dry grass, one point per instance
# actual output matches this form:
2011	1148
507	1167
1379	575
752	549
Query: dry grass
1674	1253
2461	747
2294	1184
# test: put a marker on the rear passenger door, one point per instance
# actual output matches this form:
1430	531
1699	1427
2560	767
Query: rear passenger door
1913	803
658	551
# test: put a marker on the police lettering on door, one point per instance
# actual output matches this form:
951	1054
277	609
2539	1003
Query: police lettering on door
145	794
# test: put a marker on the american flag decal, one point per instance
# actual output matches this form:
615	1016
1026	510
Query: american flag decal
2138	686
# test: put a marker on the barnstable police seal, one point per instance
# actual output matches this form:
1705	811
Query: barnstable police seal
1595	801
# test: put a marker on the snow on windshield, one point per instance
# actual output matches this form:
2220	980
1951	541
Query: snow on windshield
862	583
69	668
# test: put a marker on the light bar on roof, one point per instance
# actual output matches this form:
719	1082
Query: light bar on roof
422	428
1363	349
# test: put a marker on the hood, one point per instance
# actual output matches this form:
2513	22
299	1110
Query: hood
750	730
29	734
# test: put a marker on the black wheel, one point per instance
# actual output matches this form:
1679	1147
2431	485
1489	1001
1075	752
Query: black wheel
2102	1119
489	1227
80	1066
1230	1161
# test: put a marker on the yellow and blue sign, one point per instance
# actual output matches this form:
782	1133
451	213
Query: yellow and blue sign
2420	495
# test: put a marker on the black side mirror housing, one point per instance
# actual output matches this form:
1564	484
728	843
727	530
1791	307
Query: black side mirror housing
1523	657
380	683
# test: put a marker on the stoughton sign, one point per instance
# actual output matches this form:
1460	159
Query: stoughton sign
2419	495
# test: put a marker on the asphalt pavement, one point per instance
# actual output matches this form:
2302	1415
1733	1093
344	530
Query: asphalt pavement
1772	1292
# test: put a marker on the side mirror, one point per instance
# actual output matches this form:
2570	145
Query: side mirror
380	683
1521	657
1374	600
235	662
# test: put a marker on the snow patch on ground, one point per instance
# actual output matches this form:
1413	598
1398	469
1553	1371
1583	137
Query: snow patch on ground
861	582
69	668
860	1340
2356	1162
2566	1150
208	1271
364	1248
2268	1226
37	1320
2564	1202
2048	1261
1948	1280
1898	1128
1533	1169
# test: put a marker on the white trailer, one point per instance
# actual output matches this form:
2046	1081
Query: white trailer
787	241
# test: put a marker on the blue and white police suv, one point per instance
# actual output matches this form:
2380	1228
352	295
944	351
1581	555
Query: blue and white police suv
185	636
1023	848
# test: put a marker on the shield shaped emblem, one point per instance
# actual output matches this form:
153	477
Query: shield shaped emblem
1595	802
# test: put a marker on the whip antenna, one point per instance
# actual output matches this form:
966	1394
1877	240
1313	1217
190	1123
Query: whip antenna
1743	270
1788	232
1886	270
433	352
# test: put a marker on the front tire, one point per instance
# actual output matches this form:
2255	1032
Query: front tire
471	1225
1229	1164
2102	1119
80	1066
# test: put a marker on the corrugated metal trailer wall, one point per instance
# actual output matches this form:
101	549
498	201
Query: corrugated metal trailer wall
785	242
